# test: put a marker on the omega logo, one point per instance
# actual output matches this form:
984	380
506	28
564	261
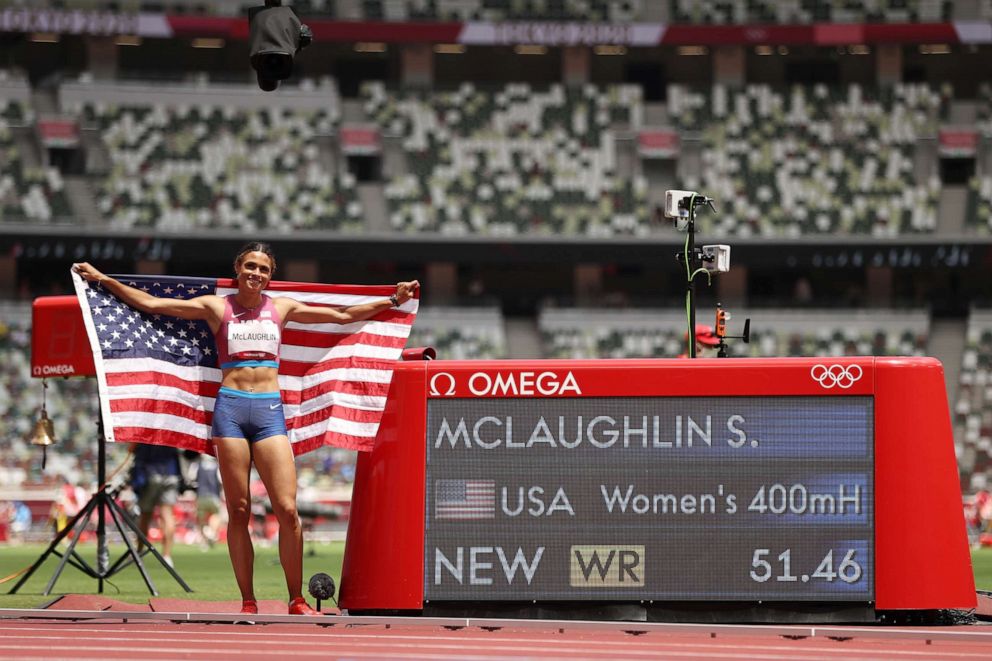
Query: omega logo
482	384
62	369
434	384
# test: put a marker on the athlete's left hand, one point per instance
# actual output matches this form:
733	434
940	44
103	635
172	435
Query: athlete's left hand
406	290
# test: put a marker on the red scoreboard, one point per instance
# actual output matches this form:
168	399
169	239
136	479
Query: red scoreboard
59	346
772	481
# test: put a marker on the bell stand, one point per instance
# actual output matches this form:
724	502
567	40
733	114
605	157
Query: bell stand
99	503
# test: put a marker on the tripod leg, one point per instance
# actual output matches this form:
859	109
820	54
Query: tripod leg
112	508
119	514
51	547
90	508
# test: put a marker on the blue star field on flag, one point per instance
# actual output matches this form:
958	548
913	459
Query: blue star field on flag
124	332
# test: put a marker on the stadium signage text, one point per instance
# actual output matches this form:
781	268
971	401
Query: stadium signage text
561	34
503	384
555	34
68	22
599	431
54	370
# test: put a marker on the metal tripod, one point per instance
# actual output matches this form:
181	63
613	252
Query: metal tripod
102	501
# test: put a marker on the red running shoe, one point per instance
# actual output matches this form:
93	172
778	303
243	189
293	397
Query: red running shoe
299	606
248	607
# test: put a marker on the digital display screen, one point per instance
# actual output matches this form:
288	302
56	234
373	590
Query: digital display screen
660	498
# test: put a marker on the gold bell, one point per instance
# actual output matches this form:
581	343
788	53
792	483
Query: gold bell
44	430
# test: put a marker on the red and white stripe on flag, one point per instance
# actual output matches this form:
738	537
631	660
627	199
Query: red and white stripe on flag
158	376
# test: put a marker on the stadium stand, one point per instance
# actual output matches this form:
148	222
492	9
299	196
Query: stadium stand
511	162
461	333
384	10
612	11
973	409
71	404
598	333
790	163
723	12
28	193
716	12
979	210
183	165
984	118
836	333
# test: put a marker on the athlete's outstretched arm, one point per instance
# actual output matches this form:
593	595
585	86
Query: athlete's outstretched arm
311	314
208	307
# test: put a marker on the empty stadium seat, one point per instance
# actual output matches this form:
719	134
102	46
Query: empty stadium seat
515	161
183	168
598	333
610	11
973	408
27	194
802	12
460	333
812	160
978	213
575	333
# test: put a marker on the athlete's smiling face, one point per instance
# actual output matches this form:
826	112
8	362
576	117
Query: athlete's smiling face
254	271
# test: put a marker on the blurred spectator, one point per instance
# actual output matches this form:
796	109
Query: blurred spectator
802	292
15	520
155	481
20	521
978	516
208	504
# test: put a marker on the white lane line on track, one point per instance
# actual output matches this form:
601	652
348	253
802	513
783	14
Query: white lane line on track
112	619
366	631
145	653
237	634
787	649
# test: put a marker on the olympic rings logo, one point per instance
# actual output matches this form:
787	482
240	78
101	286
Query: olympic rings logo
842	376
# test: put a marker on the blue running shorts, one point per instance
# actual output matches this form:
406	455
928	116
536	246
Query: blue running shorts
249	415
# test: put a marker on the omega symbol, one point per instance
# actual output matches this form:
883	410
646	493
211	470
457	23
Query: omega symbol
842	376
434	385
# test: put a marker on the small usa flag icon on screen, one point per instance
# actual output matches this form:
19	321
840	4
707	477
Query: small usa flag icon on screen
464	499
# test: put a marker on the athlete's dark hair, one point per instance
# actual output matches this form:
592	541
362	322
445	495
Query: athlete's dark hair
256	246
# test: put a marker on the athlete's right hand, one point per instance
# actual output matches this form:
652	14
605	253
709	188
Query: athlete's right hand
88	272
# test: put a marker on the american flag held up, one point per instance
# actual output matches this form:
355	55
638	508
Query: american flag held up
158	375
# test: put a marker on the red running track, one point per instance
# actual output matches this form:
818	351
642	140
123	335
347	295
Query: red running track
36	639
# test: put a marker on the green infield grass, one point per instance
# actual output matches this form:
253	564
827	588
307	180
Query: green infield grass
208	572
981	562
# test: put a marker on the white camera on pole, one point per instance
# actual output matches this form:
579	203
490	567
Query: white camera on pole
677	206
716	259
